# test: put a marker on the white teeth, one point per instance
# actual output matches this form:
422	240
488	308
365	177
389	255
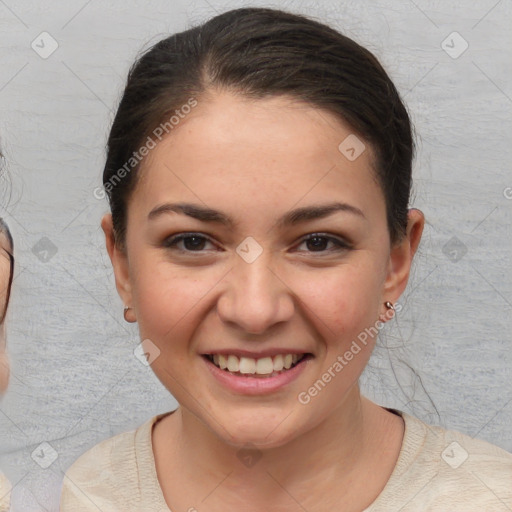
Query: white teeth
247	365
278	363
233	363
251	366
264	366
223	361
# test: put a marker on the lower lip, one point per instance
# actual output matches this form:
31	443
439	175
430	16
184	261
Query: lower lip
256	385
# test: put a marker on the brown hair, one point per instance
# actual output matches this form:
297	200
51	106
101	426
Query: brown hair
258	52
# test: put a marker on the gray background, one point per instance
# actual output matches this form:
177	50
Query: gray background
75	380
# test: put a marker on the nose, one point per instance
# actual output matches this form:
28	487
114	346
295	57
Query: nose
256	297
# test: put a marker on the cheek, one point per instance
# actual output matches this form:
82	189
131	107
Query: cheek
167	299
340	301
343	300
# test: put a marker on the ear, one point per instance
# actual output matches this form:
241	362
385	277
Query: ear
119	261
401	256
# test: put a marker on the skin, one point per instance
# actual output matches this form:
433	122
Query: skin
5	269
256	160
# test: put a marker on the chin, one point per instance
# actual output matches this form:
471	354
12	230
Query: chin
263	431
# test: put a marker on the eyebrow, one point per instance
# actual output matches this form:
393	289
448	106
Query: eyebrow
291	218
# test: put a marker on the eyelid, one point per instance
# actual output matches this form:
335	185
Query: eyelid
340	242
172	240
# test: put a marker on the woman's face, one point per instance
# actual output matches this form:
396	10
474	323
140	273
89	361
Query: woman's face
5	273
258	174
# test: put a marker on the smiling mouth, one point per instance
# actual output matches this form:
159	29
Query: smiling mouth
262	367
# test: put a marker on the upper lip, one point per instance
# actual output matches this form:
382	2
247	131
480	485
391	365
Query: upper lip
271	352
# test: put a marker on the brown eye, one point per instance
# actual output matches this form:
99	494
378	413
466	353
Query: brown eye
317	242
192	242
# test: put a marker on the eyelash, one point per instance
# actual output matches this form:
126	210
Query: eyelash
171	242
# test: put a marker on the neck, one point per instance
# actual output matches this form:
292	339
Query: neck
335	451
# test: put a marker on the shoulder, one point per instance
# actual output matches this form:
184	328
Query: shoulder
473	474
98	462
443	469
107	476
5	492
453	450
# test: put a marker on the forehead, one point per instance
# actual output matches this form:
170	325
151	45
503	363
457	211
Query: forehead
231	150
